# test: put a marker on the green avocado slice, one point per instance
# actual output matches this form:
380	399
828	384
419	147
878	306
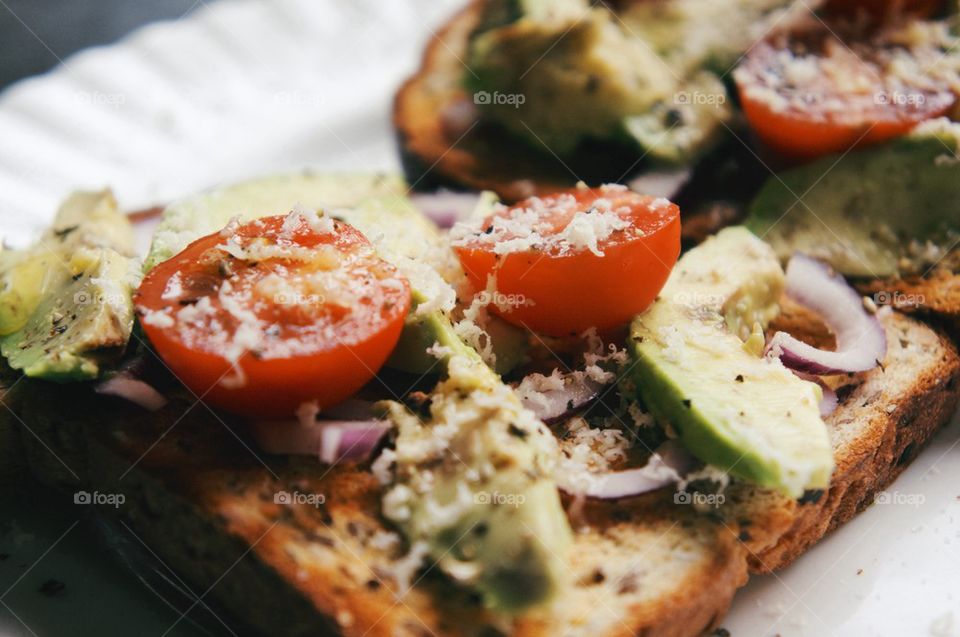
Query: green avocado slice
472	485
65	302
743	413
866	211
81	325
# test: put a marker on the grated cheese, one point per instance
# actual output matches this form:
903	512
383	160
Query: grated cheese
158	318
533	226
300	217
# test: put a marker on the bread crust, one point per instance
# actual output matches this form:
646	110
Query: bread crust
935	295
437	151
894	430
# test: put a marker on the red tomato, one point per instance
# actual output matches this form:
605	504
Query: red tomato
259	318
805	99
574	260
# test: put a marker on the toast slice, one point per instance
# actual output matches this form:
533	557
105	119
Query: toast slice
935	295
444	143
206	501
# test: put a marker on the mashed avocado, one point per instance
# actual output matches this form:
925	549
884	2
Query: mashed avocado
472	485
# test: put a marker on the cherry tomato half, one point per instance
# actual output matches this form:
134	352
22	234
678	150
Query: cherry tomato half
261	317
813	96
573	260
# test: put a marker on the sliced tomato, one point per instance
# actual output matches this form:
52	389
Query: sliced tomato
813	96
260	318
566	262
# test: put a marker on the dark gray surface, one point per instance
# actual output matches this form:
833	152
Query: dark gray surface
61	577
36	34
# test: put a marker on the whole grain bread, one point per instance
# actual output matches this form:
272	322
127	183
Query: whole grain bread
934	295
204	499
444	142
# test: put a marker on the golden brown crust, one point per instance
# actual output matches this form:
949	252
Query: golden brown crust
935	295
441	140
892	428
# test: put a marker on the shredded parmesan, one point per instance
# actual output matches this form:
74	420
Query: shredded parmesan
158	318
587	452
533	226
300	217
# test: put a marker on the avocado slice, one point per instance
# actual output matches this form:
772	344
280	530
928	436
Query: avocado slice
472	485
734	409
85	219
359	199
575	55
678	131
65	302
691	35
864	211
82	324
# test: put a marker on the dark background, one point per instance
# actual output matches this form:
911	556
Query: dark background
36	34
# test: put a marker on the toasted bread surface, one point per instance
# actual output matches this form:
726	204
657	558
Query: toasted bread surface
936	295
205	500
882	421
442	141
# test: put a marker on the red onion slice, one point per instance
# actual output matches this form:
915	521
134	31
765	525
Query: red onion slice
351	440
445	207
829	402
329	440
668	464
861	339
132	389
661	183
551	403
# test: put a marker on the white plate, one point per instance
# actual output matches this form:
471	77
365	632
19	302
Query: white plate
245	87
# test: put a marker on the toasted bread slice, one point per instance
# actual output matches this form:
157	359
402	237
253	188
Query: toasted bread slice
444	142
441	140
205	500
936	295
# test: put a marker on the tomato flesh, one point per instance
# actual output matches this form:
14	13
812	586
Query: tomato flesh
813	96
573	260
263	317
